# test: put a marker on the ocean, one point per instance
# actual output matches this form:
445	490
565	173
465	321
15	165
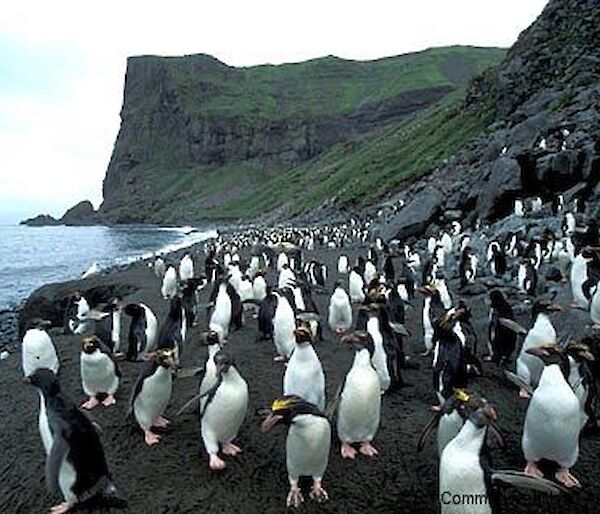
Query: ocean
33	256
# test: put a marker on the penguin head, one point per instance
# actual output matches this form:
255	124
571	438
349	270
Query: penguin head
38	323
555	354
303	335
209	338
223	361
360	340
45	380
164	357
545	307
133	309
284	409
90	344
465	402
497	298
484	416
114	304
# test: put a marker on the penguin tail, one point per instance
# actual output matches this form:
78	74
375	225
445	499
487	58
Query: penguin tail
103	495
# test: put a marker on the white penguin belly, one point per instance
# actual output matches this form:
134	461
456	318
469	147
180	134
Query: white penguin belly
448	427
153	398
98	374
379	356
304	377
360	405
307	446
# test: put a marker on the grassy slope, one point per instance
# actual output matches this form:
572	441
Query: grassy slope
324	86
356	174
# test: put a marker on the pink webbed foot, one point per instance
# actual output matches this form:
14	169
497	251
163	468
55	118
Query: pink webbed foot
109	400
368	449
565	477
61	508
317	492
596	326
90	404
532	470
348	452
151	438
161	422
294	498
216	463
231	449
279	358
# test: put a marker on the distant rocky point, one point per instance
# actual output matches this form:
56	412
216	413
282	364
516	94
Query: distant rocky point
81	214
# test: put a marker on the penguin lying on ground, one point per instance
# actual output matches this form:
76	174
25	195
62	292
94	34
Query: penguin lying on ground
307	445
75	461
99	372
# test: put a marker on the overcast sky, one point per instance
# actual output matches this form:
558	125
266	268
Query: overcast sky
62	66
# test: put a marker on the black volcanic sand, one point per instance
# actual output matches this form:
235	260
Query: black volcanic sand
174	476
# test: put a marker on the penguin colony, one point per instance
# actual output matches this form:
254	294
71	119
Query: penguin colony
268	278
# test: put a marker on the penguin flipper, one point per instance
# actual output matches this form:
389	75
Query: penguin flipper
54	460
427	429
519	479
512	325
399	328
518	381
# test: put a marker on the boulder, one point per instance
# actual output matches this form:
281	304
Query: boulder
41	220
81	214
495	199
415	217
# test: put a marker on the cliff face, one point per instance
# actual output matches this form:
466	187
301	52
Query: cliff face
196	133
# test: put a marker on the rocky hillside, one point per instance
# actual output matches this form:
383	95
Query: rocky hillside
543	105
201	139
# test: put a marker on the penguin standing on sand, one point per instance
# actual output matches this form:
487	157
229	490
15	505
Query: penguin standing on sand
496	259
284	324
221	316
304	374
340	310
160	268
259	286
75	461
530	367
356	286
501	340
342	265
186	268
467	268
37	350
143	331
552	421
432	309
223	410
189	293
169	284
115	308
99	372
307	445
360	399
174	329
527	277
152	393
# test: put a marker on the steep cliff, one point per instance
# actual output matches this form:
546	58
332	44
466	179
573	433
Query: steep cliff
198	138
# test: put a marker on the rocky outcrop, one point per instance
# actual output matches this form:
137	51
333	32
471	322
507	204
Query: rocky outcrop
81	214
185	118
546	138
41	220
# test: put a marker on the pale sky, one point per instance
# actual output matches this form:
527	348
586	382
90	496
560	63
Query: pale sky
62	66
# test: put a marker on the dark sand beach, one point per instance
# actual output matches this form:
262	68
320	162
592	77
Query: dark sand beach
174	477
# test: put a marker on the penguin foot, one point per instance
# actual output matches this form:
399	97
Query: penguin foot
596	326
564	476
231	449
317	493
532	470
368	449
61	508
425	353
161	422
294	498
151	438
109	400
91	403
279	358
216	463
348	452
